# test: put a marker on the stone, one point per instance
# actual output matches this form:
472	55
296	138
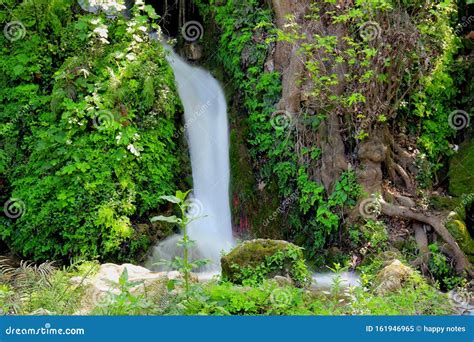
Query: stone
258	253
193	51
392	277
101	287
284	281
42	312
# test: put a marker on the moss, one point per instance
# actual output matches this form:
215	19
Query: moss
461	175
459	231
443	203
253	261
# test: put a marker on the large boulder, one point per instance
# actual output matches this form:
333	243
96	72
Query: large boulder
255	260
392	277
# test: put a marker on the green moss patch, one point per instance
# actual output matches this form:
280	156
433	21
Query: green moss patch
253	261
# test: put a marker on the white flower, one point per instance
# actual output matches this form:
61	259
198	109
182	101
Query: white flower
133	150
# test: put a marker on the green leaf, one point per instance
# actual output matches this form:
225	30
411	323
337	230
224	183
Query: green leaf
170	219
182	195
172	199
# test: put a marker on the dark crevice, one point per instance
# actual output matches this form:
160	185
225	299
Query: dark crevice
470	219
169	11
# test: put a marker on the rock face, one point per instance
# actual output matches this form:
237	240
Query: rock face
270	257
392	277
193	51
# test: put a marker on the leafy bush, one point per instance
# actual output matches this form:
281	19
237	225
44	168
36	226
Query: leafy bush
87	110
254	261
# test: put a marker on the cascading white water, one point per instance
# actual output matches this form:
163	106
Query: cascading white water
206	128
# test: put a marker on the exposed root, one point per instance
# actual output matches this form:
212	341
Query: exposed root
462	263
424	252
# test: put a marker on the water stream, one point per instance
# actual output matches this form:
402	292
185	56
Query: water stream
207	133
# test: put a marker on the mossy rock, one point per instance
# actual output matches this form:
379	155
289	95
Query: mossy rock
253	261
458	229
461	177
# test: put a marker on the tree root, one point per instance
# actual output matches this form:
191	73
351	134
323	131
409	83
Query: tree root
436	221
424	252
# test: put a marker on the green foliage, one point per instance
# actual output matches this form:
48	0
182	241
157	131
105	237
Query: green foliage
270	299
184	265
29	287
324	213
441	270
87	113
125	302
290	258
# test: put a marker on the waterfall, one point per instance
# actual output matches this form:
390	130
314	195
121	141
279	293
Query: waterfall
206	129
